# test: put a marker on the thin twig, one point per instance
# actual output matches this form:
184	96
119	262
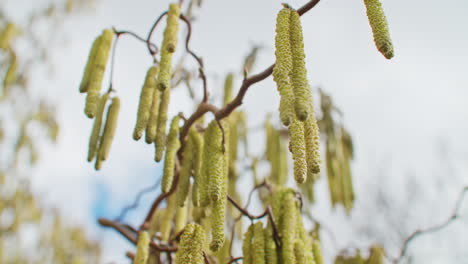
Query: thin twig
150	34
245	212
454	216
234	260
136	202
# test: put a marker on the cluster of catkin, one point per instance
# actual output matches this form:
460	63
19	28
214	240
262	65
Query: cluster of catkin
296	108
102	136
338	155
155	94
376	256
297	246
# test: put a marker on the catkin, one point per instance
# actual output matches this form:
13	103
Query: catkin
217	222
173	145
284	66
160	139
97	74
10	75
288	227
247	246
89	65
191	245
215	165
379	25
93	140
168	46
152	125
7	35
258	244
317	252
167	217
197	140
142	253
270	246
301	89
376	255
180	218
184	178
299	252
312	141
146	99
298	150
228	83
109	129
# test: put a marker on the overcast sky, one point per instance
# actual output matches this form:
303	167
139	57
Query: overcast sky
405	115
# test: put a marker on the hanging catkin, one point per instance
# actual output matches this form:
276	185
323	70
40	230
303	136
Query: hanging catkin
216	165
288	226
379	25
298	149
191	245
96	132
167	217
247	246
312	141
173	145
89	65
150	133
109	129
217	221
97	73
7	35
258	244
180	218
284	66
299	252
228	83
146	99
270	246
160	139
168	47
301	89
197	140
142	252
184	178
317	252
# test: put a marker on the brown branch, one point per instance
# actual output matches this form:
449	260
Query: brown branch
276	235
454	216
245	212
148	39
132	236
234	260
130	255
136	202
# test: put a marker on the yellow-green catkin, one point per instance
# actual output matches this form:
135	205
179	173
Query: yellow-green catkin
168	47
288	226
376	255
211	151
146	100
160	138
379	25
180	218
270	246
7	35
284	66
89	65
298	149
97	73
96	132
215	164
299	252
197	140
109	129
191	245
258	244
142	253
173	145
317	252
152	125
184	178
167	218
10	75
217	222
228	84
312	141
301	89
247	246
